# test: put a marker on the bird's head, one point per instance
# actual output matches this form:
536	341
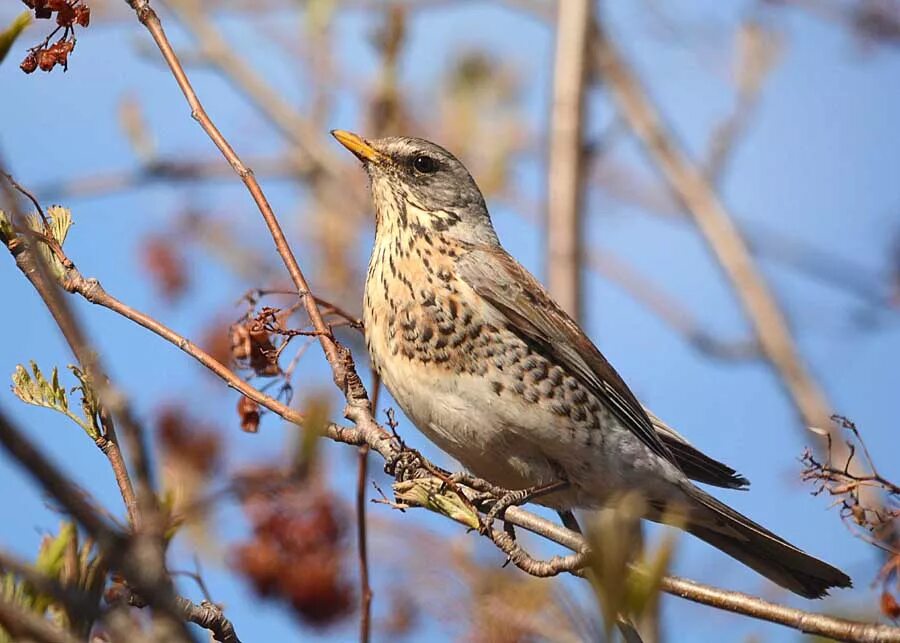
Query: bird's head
420	186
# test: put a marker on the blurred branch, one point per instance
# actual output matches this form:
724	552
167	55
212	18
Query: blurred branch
565	171
268	100
77	601
872	21
668	308
818	263
756	52
135	555
714	222
159	170
25	625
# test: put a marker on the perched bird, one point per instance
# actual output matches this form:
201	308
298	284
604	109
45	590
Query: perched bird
495	373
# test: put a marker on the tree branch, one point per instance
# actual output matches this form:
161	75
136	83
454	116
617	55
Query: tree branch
565	173
714	222
25	625
137	555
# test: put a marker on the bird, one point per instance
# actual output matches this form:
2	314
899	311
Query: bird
490	369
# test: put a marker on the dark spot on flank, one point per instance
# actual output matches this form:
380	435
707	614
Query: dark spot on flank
498	387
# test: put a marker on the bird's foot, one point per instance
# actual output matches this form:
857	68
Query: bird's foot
404	465
504	502
519	497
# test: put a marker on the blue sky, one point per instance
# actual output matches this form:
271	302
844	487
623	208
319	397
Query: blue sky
819	162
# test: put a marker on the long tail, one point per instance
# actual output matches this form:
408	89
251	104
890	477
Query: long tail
760	549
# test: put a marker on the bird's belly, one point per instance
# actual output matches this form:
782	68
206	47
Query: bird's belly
455	413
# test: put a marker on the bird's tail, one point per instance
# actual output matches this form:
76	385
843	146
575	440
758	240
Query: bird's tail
760	549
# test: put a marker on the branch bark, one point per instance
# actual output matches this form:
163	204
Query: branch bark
565	174
25	625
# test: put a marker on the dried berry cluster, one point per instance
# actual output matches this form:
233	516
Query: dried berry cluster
296	553
252	346
248	411
69	13
182	438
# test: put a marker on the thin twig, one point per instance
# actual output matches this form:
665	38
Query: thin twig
365	589
343	369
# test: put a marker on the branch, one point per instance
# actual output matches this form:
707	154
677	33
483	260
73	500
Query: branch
210	617
668	308
25	625
136	556
714	222
207	615
565	174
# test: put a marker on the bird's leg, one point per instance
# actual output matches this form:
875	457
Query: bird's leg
521	496
485	490
569	521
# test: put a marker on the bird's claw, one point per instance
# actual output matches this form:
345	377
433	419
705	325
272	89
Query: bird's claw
403	465
509	499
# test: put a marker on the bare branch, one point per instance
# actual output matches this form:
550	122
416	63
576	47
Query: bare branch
565	173
138	556
25	625
716	225
668	308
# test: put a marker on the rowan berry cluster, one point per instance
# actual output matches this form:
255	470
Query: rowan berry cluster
68	14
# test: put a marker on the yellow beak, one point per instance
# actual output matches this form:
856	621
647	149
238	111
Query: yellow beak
358	145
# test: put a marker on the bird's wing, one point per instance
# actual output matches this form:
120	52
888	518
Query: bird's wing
696	464
531	314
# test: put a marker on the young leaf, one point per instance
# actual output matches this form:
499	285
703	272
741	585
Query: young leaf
6	230
60	220
36	390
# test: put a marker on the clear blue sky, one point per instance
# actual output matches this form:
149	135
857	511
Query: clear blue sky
820	162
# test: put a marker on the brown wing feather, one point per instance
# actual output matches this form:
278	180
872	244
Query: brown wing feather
534	316
695	464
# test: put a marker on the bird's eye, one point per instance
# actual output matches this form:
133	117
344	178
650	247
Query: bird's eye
425	164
